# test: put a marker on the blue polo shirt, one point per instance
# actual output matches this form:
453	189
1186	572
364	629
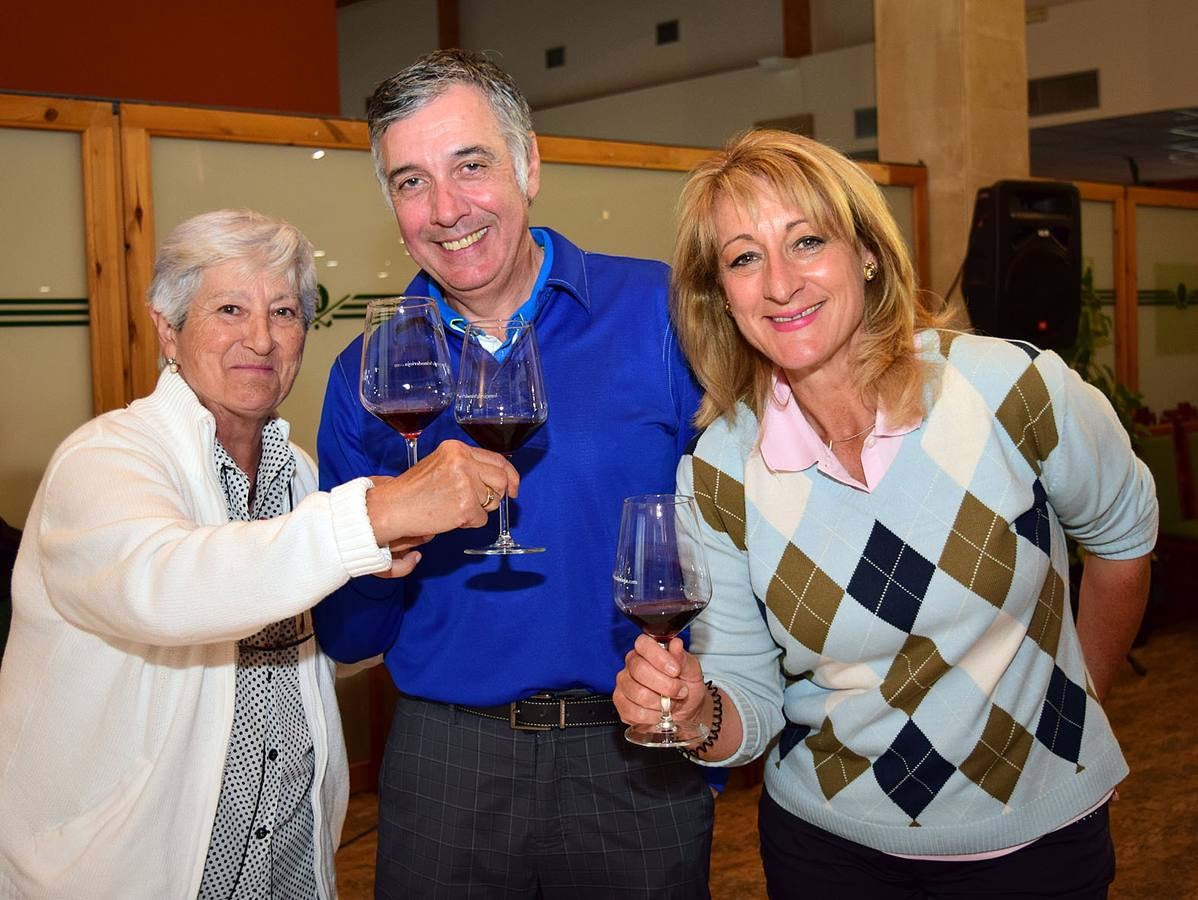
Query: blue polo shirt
488	630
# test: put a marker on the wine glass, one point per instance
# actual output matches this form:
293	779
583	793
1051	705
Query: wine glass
500	401
407	380
660	582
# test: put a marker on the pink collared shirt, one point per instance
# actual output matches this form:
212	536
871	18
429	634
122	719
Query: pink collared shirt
789	443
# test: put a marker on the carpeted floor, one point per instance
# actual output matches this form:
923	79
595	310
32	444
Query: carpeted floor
1155	820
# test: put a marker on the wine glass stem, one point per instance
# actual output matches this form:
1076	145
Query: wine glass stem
667	723
505	536
411	442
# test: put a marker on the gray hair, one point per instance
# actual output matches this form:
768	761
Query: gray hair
265	244
428	78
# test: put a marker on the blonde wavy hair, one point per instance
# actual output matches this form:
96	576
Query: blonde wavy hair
839	200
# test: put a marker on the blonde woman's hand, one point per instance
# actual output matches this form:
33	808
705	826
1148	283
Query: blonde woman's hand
651	672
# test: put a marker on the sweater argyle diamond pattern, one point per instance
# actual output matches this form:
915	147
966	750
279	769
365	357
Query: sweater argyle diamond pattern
890	581
922	625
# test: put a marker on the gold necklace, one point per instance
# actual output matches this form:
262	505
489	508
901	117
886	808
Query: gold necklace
851	437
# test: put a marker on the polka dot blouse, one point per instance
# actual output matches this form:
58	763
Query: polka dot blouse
262	842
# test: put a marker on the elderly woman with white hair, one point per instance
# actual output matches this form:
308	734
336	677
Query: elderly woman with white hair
167	726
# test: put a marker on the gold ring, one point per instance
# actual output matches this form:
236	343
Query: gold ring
490	496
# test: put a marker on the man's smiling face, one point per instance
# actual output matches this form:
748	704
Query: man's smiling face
460	209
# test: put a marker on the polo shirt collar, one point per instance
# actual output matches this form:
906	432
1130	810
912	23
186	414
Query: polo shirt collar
788	443
562	268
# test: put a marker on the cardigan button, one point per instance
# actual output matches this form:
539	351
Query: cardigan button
260	833
272	755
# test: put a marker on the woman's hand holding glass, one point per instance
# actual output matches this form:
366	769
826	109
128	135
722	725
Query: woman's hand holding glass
455	486
661	583
651	672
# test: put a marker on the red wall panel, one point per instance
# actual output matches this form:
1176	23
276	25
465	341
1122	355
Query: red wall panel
278	55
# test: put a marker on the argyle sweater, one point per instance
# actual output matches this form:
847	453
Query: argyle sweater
907	656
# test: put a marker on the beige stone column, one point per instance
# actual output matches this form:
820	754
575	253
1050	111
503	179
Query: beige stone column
952	94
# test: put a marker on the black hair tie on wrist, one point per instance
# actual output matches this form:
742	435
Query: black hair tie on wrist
717	717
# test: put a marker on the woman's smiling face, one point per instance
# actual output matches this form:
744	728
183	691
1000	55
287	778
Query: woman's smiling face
795	293
241	345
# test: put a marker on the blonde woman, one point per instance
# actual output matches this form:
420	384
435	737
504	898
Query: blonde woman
885	505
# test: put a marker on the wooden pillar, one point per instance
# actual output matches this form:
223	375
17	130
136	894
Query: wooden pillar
796	28
952	94
448	25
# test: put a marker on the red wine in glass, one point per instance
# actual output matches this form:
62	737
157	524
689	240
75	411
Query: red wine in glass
660	582
410	423
500	435
406	379
662	620
500	400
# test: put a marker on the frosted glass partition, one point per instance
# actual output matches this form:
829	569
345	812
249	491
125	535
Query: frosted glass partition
45	359
1167	289
332	197
631	211
1098	217
901	200
610	210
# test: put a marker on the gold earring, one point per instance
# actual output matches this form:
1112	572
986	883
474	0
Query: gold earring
727	307
871	270
172	364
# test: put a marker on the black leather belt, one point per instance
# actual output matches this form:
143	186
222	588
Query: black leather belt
541	712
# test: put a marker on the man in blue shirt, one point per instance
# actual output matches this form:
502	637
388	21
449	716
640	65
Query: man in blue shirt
506	773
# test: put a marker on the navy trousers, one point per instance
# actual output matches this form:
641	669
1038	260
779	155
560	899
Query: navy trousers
801	861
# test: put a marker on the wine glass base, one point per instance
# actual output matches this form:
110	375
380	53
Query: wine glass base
502	550
681	737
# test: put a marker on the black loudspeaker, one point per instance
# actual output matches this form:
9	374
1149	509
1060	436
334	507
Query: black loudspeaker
1023	271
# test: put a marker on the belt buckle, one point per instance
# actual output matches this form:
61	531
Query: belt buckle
520	726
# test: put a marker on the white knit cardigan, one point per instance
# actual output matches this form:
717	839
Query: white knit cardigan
130	591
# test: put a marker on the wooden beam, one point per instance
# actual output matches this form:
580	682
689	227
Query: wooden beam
448	25
108	312
1147	196
796	28
139	256
51	113
254	128
588	152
